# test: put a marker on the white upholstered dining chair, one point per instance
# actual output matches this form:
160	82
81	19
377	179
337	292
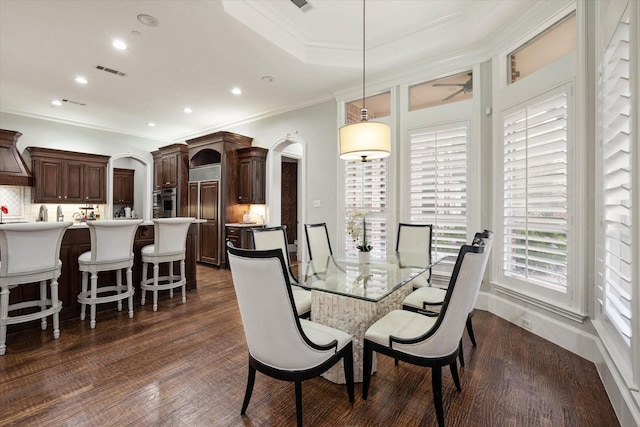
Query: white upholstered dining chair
430	299
30	253
414	240
276	238
424	340
281	345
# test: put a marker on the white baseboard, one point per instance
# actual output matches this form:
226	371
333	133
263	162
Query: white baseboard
584	344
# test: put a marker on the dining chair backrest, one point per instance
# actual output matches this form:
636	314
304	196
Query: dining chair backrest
414	238
112	240
274	238
272	328
318	240
444	337
30	247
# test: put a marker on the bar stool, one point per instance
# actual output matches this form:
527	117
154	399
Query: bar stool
30	253
170	236
111	249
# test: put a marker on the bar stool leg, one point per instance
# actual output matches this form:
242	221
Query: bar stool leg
94	294
119	286
130	290
4	315
83	306
170	278
156	275
184	281
43	303
143	282
55	303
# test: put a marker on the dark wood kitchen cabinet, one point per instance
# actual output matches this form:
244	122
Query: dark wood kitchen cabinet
123	186
208	207
252	175
171	166
241	235
68	177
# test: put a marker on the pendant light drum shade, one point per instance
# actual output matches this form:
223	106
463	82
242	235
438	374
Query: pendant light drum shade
365	141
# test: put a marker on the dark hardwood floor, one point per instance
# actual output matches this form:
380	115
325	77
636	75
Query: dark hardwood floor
186	365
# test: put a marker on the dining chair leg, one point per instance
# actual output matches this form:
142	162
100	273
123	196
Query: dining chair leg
461	354
470	330
366	368
247	395
299	402
453	366
347	361
436	383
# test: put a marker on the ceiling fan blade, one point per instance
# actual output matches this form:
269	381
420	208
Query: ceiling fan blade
453	94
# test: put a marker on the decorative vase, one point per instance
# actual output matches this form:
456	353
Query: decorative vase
364	257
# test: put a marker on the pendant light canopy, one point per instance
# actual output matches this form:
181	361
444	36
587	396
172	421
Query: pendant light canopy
364	140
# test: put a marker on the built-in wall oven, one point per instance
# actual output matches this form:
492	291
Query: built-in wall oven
157	204
168	203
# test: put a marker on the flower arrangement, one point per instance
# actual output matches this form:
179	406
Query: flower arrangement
354	227
3	210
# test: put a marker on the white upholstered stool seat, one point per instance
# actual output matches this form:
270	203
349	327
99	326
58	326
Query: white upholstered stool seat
111	250
170	236
30	253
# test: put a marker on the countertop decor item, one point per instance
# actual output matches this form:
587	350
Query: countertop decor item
3	210
355	227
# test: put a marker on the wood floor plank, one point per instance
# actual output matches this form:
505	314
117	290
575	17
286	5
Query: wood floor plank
186	365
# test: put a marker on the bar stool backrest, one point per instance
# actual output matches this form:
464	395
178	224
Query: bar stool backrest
170	235
112	240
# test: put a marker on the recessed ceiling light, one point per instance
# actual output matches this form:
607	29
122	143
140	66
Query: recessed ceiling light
119	44
147	20
187	110
151	124
236	91
56	103
81	80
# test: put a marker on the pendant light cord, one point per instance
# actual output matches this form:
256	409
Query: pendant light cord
363	50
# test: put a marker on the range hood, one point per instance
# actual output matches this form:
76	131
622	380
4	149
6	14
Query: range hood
13	169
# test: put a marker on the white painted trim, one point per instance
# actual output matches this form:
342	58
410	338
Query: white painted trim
273	194
147	206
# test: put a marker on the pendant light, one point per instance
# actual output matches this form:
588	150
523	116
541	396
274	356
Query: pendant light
364	140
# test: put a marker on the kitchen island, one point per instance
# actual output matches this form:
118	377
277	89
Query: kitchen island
77	240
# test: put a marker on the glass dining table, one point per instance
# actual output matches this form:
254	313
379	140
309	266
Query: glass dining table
351	296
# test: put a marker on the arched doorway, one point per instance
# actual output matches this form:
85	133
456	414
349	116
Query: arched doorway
143	183
290	150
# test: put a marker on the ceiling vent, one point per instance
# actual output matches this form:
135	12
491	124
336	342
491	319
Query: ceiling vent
303	5
74	102
110	70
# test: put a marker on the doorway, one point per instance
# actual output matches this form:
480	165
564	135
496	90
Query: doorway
289	203
285	158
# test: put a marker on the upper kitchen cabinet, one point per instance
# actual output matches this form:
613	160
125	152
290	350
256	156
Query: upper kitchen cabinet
171	166
68	177
171	170
252	175
123	186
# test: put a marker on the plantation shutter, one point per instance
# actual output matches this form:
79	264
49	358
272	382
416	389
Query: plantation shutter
366	189
438	160
535	193
616	161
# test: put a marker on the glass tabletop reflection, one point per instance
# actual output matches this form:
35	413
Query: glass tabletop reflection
368	281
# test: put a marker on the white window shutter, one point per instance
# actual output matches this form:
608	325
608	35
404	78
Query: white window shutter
535	193
616	255
439	184
366	189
